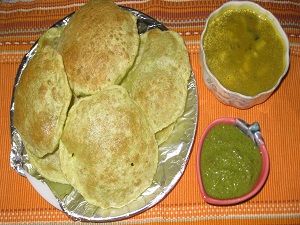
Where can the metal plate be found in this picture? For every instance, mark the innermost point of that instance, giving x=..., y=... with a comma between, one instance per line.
x=174, y=154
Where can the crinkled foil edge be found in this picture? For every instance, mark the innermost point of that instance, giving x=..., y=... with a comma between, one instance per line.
x=174, y=153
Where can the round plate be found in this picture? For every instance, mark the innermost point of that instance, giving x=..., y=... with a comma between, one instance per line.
x=174, y=154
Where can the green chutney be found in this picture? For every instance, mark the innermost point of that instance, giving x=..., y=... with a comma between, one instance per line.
x=230, y=162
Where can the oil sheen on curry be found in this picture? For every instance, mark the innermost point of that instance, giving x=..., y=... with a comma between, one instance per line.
x=230, y=162
x=244, y=51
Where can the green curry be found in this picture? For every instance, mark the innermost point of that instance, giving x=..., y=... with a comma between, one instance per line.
x=244, y=51
x=230, y=162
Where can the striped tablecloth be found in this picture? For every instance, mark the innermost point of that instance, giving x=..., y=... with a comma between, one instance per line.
x=23, y=21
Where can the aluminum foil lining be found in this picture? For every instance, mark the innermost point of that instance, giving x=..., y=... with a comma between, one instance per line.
x=174, y=153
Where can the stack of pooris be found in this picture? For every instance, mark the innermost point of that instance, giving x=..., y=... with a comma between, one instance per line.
x=108, y=150
x=97, y=99
x=159, y=77
x=99, y=46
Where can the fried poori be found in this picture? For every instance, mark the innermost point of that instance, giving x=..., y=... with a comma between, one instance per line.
x=99, y=46
x=42, y=98
x=48, y=166
x=108, y=150
x=51, y=38
x=158, y=80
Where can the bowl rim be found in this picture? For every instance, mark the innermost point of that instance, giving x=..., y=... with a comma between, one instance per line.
x=275, y=23
x=263, y=173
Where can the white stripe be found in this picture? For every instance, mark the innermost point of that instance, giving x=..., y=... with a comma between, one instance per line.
x=187, y=219
x=17, y=43
x=9, y=33
x=272, y=1
x=15, y=1
x=42, y=8
x=14, y=52
x=280, y=2
x=62, y=7
x=293, y=23
x=120, y=3
x=200, y=20
x=132, y=2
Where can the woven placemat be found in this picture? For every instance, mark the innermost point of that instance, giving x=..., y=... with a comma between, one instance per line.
x=22, y=23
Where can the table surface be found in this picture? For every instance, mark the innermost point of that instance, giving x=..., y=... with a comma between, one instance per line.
x=23, y=21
